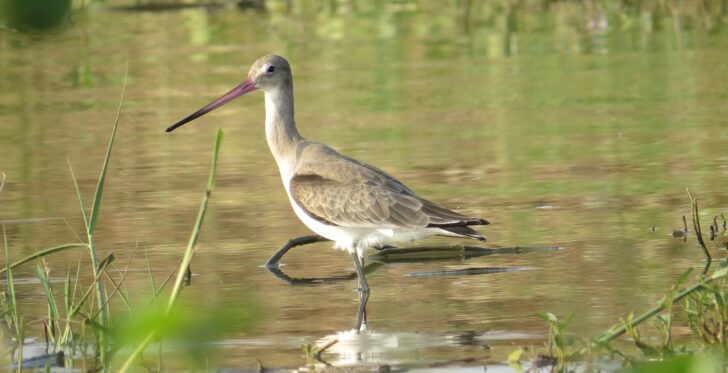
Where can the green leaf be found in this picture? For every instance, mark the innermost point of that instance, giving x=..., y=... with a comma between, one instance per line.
x=43, y=253
x=13, y=305
x=515, y=356
x=681, y=280
x=78, y=195
x=48, y=291
x=567, y=321
x=96, y=207
x=548, y=316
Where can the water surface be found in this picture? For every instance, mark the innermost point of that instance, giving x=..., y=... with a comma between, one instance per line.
x=570, y=127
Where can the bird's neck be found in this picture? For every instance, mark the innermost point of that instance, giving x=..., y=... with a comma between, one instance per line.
x=280, y=128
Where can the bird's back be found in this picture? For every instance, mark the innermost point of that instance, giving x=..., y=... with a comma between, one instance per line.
x=337, y=190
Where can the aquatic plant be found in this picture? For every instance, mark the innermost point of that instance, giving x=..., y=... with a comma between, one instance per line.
x=558, y=342
x=76, y=322
x=705, y=304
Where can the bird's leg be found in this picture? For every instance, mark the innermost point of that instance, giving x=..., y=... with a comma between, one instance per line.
x=293, y=242
x=363, y=286
x=361, y=315
x=363, y=295
x=385, y=247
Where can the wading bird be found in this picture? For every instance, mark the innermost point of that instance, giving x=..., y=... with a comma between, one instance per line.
x=356, y=205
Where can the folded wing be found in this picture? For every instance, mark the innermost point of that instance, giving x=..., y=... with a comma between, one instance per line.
x=349, y=193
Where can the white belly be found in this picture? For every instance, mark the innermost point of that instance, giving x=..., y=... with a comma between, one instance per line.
x=358, y=239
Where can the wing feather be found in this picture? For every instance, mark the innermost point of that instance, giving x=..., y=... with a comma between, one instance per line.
x=337, y=190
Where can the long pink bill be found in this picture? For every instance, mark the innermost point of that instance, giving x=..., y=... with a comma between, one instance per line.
x=246, y=86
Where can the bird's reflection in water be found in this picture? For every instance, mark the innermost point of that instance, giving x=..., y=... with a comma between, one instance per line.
x=401, y=255
x=361, y=345
x=364, y=348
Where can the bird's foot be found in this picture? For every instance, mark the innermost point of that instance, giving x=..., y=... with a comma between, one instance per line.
x=272, y=264
x=384, y=247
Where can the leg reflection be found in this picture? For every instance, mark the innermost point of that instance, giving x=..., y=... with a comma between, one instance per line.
x=389, y=255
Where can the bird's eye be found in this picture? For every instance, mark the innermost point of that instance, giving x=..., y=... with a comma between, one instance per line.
x=271, y=69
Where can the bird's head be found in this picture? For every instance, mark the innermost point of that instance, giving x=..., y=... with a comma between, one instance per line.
x=267, y=74
x=270, y=72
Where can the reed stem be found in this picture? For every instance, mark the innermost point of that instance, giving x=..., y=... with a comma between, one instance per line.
x=186, y=259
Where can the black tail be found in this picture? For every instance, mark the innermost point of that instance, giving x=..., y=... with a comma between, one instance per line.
x=450, y=222
x=461, y=229
x=464, y=232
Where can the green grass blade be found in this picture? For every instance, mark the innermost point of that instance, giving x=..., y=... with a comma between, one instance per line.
x=76, y=281
x=53, y=314
x=117, y=288
x=70, y=297
x=102, y=343
x=70, y=228
x=162, y=287
x=100, y=271
x=198, y=223
x=67, y=300
x=96, y=207
x=78, y=195
x=43, y=253
x=13, y=305
x=620, y=329
x=21, y=345
x=124, y=294
x=151, y=277
x=187, y=256
x=213, y=165
x=6, y=313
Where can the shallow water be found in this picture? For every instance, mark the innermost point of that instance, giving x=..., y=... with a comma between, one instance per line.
x=570, y=127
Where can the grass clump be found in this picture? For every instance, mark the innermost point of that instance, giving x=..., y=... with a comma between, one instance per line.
x=558, y=343
x=79, y=323
x=704, y=306
x=707, y=314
